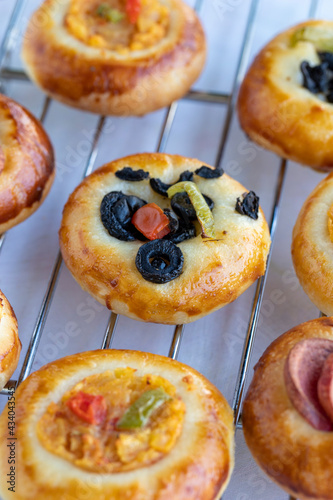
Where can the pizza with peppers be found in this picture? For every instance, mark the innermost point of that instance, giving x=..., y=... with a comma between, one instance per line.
x=118, y=425
x=117, y=57
x=163, y=238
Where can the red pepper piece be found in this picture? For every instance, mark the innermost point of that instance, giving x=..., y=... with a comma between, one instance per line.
x=151, y=221
x=133, y=9
x=90, y=408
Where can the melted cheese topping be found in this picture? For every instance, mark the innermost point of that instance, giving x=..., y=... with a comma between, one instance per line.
x=85, y=23
x=103, y=447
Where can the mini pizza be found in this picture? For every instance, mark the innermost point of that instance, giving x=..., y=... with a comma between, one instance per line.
x=312, y=246
x=163, y=238
x=285, y=100
x=10, y=345
x=288, y=411
x=114, y=57
x=26, y=163
x=118, y=425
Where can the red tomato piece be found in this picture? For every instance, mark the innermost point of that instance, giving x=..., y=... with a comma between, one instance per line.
x=90, y=408
x=133, y=8
x=151, y=221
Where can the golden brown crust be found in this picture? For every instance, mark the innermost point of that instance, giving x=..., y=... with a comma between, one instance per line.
x=289, y=450
x=214, y=273
x=312, y=248
x=104, y=82
x=27, y=166
x=278, y=113
x=197, y=468
x=10, y=345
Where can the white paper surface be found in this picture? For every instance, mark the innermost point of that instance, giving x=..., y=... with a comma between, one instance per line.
x=212, y=345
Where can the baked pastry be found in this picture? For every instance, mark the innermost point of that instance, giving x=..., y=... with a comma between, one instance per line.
x=312, y=246
x=285, y=100
x=10, y=345
x=114, y=57
x=175, y=276
x=285, y=425
x=26, y=163
x=118, y=425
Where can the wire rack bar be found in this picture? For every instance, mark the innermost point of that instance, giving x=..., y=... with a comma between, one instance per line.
x=6, y=44
x=38, y=330
x=110, y=331
x=212, y=97
x=176, y=341
x=14, y=74
x=250, y=336
x=242, y=61
x=192, y=95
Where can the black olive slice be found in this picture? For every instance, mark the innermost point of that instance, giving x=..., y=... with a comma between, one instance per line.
x=158, y=263
x=128, y=174
x=181, y=204
x=173, y=220
x=185, y=176
x=315, y=78
x=326, y=57
x=248, y=204
x=152, y=269
x=159, y=187
x=209, y=173
x=117, y=210
x=185, y=231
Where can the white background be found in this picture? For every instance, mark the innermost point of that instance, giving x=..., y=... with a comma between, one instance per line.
x=213, y=344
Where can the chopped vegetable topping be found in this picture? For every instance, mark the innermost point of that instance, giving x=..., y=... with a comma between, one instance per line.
x=186, y=176
x=151, y=221
x=133, y=9
x=161, y=187
x=173, y=220
x=104, y=448
x=87, y=407
x=183, y=207
x=204, y=214
x=149, y=261
x=319, y=78
x=140, y=411
x=128, y=174
x=109, y=14
x=326, y=57
x=321, y=37
x=248, y=204
x=315, y=78
x=209, y=173
x=185, y=231
x=117, y=210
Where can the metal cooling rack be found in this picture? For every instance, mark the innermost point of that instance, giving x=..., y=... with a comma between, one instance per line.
x=228, y=100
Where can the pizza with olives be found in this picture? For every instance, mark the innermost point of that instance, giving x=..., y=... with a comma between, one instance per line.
x=163, y=238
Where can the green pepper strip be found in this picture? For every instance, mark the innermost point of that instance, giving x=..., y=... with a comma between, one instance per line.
x=138, y=414
x=204, y=214
x=109, y=14
x=320, y=37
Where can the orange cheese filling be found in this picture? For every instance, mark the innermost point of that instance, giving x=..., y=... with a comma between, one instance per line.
x=89, y=21
x=93, y=441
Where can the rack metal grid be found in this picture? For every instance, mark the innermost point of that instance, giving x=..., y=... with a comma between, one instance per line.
x=7, y=73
